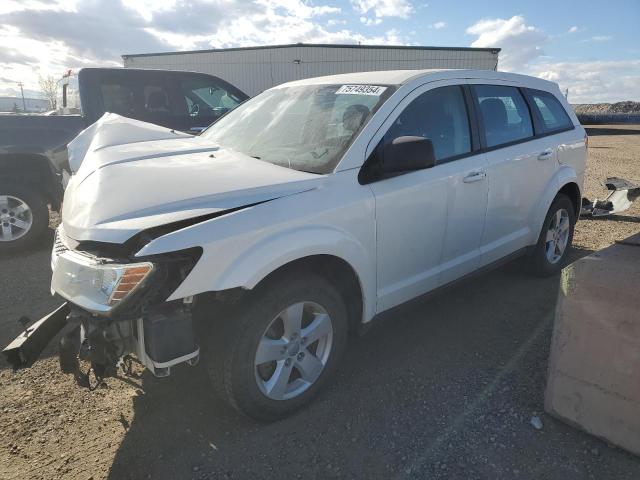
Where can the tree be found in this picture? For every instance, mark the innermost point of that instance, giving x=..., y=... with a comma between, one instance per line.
x=49, y=88
x=15, y=108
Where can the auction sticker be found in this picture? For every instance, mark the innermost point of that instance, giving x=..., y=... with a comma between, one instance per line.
x=360, y=90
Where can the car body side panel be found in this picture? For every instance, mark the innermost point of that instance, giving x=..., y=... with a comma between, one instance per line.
x=243, y=247
x=562, y=177
x=39, y=134
x=411, y=217
x=572, y=150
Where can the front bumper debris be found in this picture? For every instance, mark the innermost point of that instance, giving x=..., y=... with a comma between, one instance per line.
x=160, y=339
x=28, y=346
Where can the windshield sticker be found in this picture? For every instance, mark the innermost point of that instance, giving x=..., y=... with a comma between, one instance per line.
x=360, y=90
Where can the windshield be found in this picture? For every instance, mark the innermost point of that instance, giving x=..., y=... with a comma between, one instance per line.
x=305, y=128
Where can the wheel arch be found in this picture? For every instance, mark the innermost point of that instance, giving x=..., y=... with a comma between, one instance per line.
x=328, y=251
x=564, y=181
x=571, y=190
x=335, y=270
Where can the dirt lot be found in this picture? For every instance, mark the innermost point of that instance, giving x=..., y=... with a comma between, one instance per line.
x=443, y=389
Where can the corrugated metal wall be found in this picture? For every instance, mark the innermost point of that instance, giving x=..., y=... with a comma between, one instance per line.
x=255, y=70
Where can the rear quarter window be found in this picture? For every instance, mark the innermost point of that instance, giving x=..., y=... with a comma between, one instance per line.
x=551, y=113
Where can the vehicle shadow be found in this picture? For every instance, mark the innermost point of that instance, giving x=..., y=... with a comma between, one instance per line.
x=447, y=379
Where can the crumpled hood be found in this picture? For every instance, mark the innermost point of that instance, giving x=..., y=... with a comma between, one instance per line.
x=123, y=188
x=114, y=130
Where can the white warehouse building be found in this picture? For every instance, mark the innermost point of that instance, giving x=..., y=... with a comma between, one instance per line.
x=254, y=69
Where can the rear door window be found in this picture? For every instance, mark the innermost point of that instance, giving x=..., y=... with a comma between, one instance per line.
x=551, y=113
x=504, y=114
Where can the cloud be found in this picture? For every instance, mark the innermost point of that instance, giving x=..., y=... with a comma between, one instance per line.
x=598, y=81
x=573, y=29
x=99, y=29
x=383, y=8
x=370, y=21
x=438, y=25
x=520, y=43
x=47, y=37
x=590, y=81
x=601, y=38
x=12, y=55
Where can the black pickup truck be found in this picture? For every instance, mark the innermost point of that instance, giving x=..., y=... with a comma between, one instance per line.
x=33, y=148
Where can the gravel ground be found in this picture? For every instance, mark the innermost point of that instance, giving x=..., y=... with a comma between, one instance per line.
x=443, y=389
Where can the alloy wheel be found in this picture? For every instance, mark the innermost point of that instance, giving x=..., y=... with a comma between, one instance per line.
x=557, y=236
x=16, y=218
x=293, y=350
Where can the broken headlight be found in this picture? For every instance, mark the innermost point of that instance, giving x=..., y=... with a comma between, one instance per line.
x=95, y=286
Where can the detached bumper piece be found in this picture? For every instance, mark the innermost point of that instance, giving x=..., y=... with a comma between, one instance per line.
x=28, y=346
x=623, y=194
x=161, y=339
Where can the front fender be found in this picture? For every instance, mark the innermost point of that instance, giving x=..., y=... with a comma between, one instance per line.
x=562, y=177
x=242, y=247
x=248, y=260
x=272, y=253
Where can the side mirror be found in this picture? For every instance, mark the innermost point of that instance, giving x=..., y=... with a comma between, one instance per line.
x=404, y=154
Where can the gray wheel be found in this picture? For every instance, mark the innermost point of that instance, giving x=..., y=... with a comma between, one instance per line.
x=16, y=218
x=24, y=216
x=293, y=350
x=279, y=347
x=555, y=238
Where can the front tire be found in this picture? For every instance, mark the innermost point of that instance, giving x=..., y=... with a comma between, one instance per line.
x=281, y=346
x=24, y=217
x=554, y=242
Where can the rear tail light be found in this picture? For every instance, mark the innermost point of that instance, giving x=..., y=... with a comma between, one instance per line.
x=586, y=140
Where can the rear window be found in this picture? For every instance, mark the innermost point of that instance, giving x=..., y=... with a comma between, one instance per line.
x=504, y=113
x=551, y=112
x=175, y=100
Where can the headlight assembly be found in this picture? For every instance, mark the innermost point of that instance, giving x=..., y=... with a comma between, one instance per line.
x=94, y=286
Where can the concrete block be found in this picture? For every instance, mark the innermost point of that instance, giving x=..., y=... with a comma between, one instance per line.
x=594, y=367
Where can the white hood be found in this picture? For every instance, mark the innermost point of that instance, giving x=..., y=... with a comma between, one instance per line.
x=112, y=129
x=123, y=187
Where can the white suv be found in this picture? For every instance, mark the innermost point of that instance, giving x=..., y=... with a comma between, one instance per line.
x=303, y=214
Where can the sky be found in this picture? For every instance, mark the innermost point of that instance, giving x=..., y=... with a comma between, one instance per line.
x=591, y=48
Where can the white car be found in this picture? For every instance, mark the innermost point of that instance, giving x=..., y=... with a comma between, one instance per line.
x=306, y=212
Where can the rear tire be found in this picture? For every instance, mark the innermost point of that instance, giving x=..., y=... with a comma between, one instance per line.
x=268, y=383
x=24, y=217
x=554, y=242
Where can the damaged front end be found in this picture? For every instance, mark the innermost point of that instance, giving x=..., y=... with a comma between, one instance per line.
x=159, y=339
x=116, y=311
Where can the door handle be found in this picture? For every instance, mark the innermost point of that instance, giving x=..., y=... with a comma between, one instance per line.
x=545, y=155
x=474, y=177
